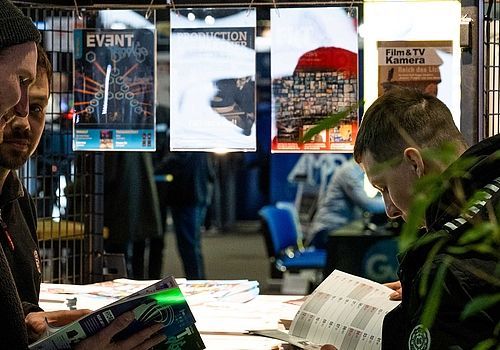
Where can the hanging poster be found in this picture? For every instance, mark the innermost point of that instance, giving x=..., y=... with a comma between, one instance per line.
x=398, y=36
x=114, y=90
x=314, y=71
x=212, y=79
x=416, y=64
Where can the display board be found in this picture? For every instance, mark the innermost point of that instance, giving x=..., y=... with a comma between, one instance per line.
x=114, y=90
x=314, y=72
x=212, y=79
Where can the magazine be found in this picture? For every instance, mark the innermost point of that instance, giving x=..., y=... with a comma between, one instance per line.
x=160, y=302
x=345, y=310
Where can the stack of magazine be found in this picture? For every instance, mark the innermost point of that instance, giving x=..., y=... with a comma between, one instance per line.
x=161, y=302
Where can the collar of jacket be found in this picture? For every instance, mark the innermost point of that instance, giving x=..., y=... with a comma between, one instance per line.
x=12, y=189
x=484, y=167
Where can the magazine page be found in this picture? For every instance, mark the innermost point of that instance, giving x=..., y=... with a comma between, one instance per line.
x=167, y=306
x=346, y=311
x=208, y=291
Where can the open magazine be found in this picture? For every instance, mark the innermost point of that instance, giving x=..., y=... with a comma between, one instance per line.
x=161, y=302
x=345, y=310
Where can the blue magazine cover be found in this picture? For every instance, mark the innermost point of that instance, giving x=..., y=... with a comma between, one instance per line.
x=162, y=302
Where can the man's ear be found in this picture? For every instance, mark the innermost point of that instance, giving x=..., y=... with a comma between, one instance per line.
x=414, y=158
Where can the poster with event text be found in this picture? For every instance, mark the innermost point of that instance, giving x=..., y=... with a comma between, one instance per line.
x=114, y=90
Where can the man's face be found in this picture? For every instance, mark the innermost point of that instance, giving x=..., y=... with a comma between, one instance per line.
x=18, y=71
x=21, y=134
x=394, y=182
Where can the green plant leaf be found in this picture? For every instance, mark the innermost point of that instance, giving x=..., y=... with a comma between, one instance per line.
x=329, y=122
x=433, y=299
x=486, y=344
x=476, y=233
x=480, y=303
x=428, y=265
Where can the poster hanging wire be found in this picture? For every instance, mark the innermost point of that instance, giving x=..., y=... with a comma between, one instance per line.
x=77, y=11
x=349, y=11
x=148, y=11
x=276, y=8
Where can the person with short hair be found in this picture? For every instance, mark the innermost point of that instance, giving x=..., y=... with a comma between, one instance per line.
x=18, y=38
x=24, y=96
x=406, y=135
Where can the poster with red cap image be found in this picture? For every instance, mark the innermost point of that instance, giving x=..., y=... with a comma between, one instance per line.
x=314, y=71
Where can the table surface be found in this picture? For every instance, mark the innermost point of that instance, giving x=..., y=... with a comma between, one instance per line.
x=222, y=325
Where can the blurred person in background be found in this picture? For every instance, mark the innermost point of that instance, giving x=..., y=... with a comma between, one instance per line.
x=185, y=185
x=345, y=200
x=131, y=208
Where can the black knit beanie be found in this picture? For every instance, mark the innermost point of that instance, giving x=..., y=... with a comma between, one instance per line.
x=15, y=27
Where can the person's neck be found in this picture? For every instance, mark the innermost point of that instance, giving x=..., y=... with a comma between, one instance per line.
x=434, y=166
x=3, y=176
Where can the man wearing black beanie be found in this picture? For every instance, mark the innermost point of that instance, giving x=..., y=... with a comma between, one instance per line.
x=18, y=38
x=18, y=70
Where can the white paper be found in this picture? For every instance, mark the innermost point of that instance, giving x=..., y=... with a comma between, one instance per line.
x=346, y=311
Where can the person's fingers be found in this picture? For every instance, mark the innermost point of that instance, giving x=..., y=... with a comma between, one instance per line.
x=149, y=343
x=35, y=322
x=118, y=324
x=136, y=340
x=63, y=317
x=393, y=285
x=397, y=295
x=328, y=347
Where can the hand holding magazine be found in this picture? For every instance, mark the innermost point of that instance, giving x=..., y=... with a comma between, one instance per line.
x=161, y=302
x=345, y=310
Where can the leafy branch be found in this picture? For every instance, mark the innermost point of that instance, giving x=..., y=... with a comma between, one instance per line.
x=331, y=121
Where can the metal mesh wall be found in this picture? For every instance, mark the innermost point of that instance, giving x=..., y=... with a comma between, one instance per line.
x=68, y=187
x=64, y=184
x=491, y=69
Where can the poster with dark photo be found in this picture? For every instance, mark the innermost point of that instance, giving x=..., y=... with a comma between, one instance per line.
x=314, y=71
x=114, y=90
x=212, y=79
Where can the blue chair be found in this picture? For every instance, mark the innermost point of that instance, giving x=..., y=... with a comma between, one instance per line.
x=282, y=242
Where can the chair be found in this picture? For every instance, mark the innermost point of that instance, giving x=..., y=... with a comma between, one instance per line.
x=114, y=266
x=282, y=242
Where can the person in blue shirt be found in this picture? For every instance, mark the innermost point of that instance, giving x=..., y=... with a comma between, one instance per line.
x=344, y=201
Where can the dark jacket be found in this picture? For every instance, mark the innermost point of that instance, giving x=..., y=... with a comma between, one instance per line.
x=12, y=328
x=19, y=263
x=17, y=211
x=132, y=211
x=446, y=222
x=184, y=179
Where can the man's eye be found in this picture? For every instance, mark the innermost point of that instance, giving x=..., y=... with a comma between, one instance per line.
x=24, y=81
x=36, y=110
